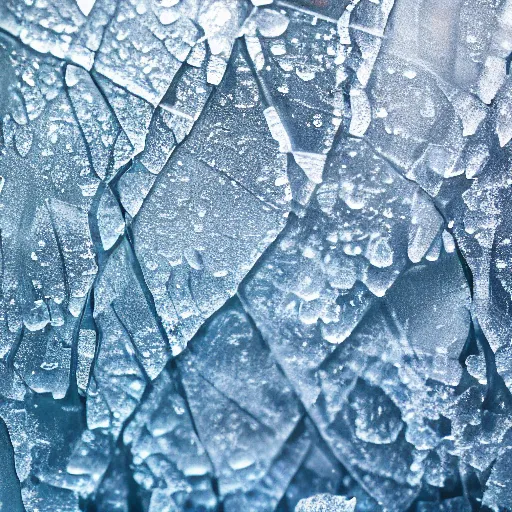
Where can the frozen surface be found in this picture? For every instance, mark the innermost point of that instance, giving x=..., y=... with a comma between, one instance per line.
x=255, y=255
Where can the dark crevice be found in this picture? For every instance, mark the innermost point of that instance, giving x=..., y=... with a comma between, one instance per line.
x=10, y=488
x=72, y=393
x=508, y=61
x=11, y=355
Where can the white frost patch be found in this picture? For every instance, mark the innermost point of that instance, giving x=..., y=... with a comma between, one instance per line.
x=85, y=6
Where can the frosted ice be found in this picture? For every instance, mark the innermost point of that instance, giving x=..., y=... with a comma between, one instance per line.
x=326, y=503
x=255, y=255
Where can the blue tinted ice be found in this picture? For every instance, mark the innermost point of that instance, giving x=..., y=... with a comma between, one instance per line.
x=255, y=255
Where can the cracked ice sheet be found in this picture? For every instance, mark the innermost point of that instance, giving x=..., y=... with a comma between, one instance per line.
x=451, y=161
x=213, y=209
x=146, y=42
x=362, y=300
x=47, y=253
x=259, y=420
x=342, y=275
x=295, y=57
x=198, y=420
x=170, y=124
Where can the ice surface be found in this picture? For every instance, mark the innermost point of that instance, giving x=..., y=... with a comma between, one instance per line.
x=326, y=503
x=255, y=255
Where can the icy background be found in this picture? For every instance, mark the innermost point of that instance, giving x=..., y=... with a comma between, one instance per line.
x=255, y=255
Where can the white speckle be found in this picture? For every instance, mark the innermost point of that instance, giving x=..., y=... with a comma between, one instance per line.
x=167, y=17
x=136, y=385
x=381, y=112
x=305, y=76
x=280, y=181
x=85, y=6
x=308, y=252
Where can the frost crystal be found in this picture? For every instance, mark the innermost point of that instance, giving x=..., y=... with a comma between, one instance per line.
x=255, y=255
